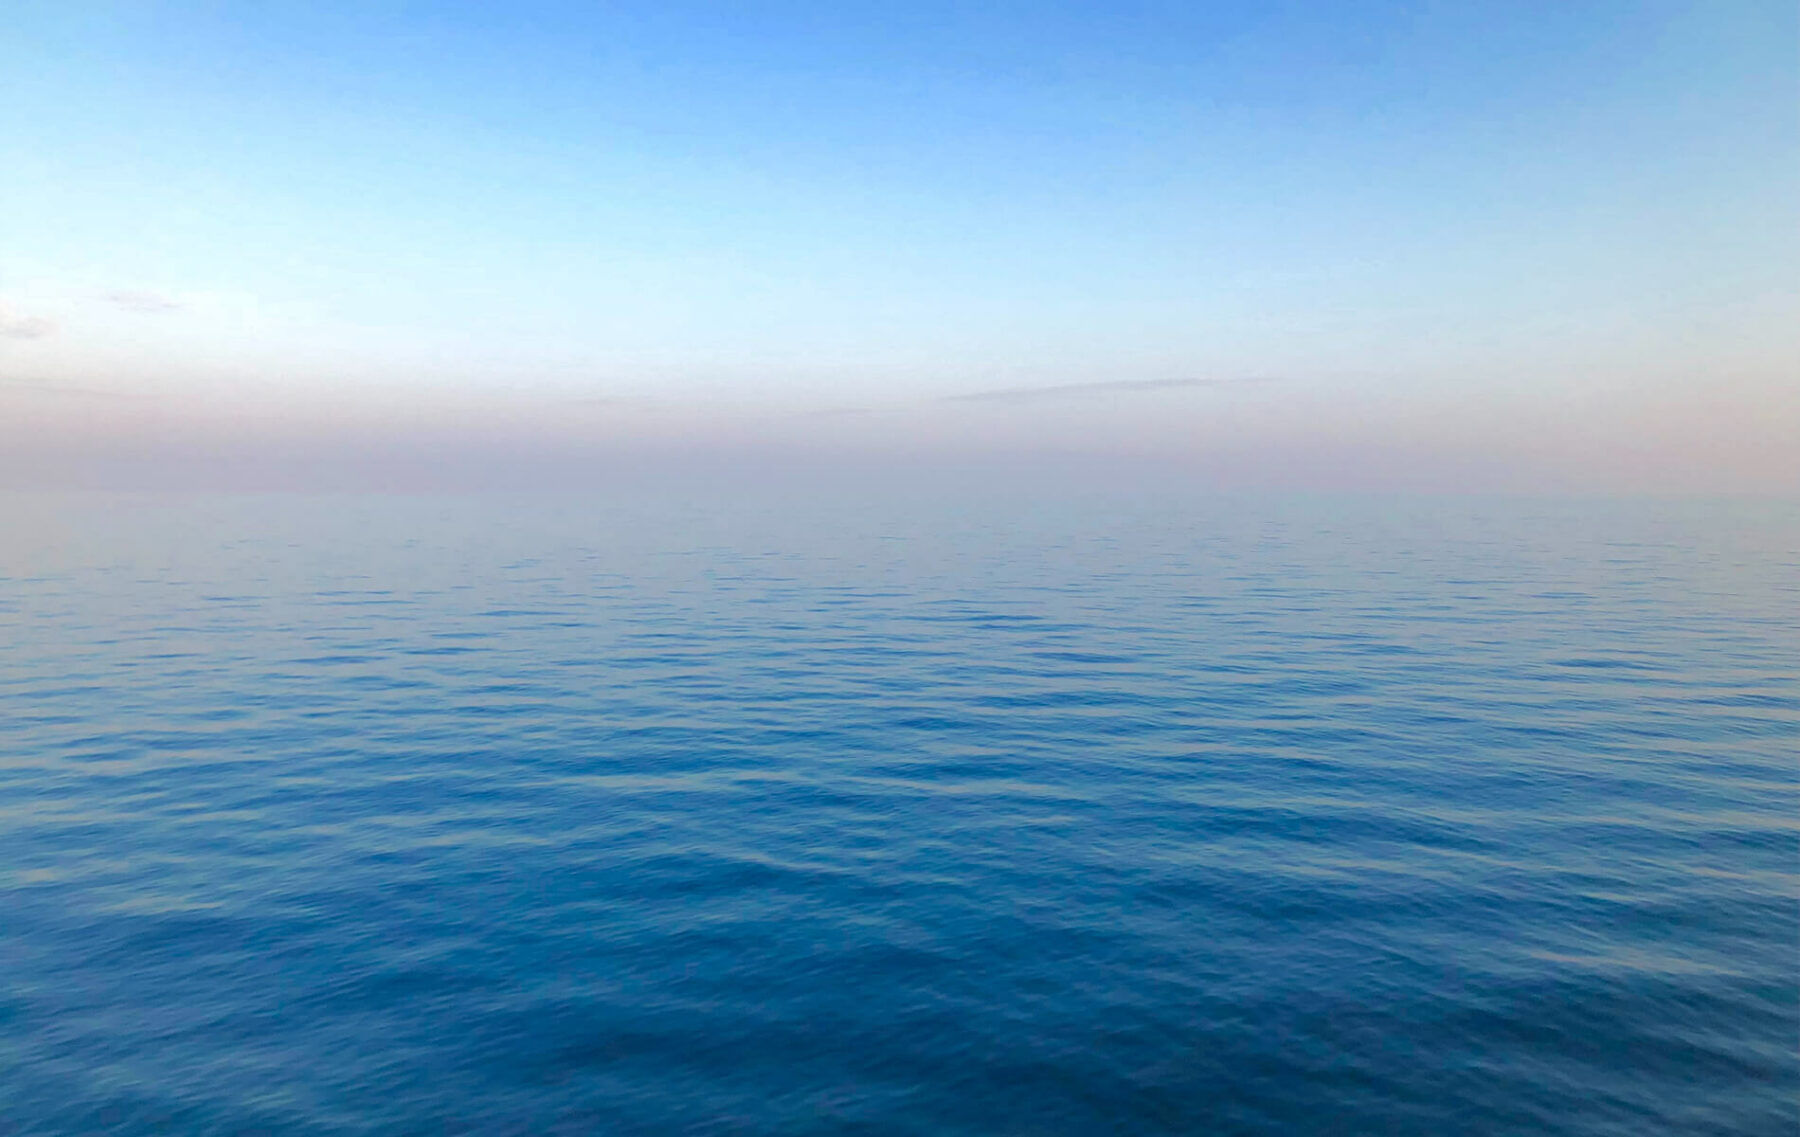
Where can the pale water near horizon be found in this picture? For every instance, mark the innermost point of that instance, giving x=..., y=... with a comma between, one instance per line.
x=1024, y=814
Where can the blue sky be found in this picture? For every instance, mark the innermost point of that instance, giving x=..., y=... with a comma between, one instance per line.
x=793, y=209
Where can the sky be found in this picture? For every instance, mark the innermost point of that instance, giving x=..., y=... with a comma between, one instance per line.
x=1482, y=245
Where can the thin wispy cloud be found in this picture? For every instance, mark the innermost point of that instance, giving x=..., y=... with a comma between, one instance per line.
x=145, y=303
x=18, y=326
x=838, y=412
x=1076, y=390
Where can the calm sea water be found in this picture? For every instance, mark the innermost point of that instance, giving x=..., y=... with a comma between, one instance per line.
x=1036, y=814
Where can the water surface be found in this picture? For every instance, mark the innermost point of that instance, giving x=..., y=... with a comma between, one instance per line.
x=1032, y=814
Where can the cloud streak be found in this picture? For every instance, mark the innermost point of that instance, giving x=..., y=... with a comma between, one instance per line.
x=16, y=326
x=1077, y=390
x=144, y=303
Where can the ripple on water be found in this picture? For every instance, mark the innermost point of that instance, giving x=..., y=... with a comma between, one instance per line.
x=1258, y=817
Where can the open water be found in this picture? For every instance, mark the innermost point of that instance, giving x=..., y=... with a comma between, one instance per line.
x=812, y=815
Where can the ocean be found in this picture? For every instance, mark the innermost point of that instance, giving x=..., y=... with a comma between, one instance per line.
x=963, y=811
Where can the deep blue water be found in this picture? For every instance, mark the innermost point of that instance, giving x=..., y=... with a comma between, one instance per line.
x=1034, y=815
